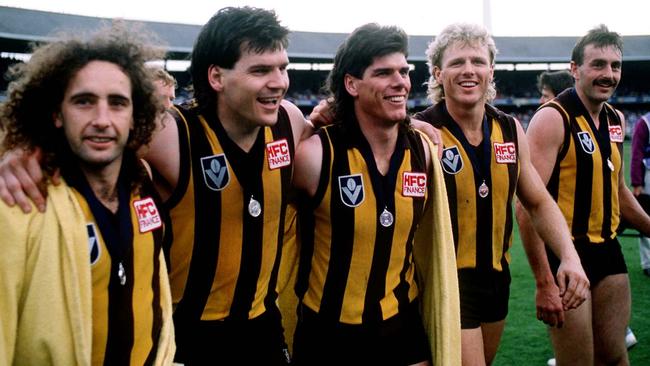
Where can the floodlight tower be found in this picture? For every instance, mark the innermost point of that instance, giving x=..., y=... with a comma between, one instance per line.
x=487, y=15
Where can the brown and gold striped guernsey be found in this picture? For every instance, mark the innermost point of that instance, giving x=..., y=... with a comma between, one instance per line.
x=226, y=213
x=584, y=181
x=127, y=310
x=482, y=226
x=353, y=269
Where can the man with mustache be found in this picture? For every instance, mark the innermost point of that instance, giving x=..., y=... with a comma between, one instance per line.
x=576, y=143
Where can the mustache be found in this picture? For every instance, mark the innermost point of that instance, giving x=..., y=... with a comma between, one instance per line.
x=606, y=82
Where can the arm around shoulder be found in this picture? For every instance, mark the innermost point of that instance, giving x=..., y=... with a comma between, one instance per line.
x=300, y=126
x=308, y=165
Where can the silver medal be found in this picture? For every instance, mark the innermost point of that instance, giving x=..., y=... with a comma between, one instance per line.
x=610, y=164
x=483, y=190
x=254, y=207
x=386, y=218
x=121, y=273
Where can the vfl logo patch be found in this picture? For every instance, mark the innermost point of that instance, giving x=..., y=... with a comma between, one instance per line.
x=215, y=172
x=148, y=215
x=616, y=133
x=351, y=190
x=587, y=143
x=93, y=243
x=414, y=184
x=505, y=153
x=452, y=162
x=277, y=154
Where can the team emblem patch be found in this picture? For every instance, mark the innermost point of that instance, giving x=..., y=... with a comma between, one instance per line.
x=215, y=172
x=351, y=189
x=586, y=142
x=148, y=215
x=505, y=153
x=414, y=184
x=452, y=162
x=277, y=154
x=616, y=133
x=93, y=243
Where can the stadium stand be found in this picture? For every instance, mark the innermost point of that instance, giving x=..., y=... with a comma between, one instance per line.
x=516, y=82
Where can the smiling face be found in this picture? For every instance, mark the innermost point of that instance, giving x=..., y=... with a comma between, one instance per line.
x=97, y=115
x=599, y=74
x=383, y=89
x=465, y=73
x=250, y=93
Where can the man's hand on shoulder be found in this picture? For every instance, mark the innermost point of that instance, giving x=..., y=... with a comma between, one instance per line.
x=432, y=133
x=21, y=179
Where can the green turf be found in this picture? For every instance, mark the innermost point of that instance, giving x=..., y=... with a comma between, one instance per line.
x=525, y=340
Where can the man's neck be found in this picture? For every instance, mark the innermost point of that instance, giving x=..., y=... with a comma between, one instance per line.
x=470, y=120
x=103, y=182
x=382, y=137
x=592, y=107
x=241, y=133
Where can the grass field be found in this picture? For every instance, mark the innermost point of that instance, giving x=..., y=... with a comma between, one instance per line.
x=525, y=340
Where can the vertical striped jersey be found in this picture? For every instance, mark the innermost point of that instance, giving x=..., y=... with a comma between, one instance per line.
x=227, y=216
x=126, y=269
x=584, y=181
x=356, y=252
x=481, y=182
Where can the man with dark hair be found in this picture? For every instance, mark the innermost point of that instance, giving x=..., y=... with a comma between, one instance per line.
x=368, y=179
x=224, y=167
x=576, y=143
x=85, y=281
x=552, y=83
x=486, y=161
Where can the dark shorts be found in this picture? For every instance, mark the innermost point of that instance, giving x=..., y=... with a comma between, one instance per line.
x=598, y=260
x=400, y=340
x=258, y=341
x=483, y=297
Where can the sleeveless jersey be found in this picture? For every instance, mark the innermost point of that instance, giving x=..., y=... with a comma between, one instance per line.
x=127, y=310
x=226, y=213
x=356, y=253
x=584, y=181
x=482, y=226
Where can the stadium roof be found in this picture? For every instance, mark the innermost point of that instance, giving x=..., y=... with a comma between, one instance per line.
x=20, y=27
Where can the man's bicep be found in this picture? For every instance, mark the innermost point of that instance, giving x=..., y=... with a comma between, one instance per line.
x=545, y=136
x=308, y=165
x=163, y=152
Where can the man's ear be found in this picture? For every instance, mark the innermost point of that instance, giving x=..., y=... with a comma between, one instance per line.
x=574, y=70
x=58, y=119
x=436, y=74
x=351, y=84
x=215, y=76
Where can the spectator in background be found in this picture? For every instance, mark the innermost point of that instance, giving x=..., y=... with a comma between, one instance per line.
x=640, y=174
x=552, y=83
x=165, y=86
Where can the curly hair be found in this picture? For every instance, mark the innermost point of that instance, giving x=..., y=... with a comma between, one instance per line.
x=354, y=56
x=222, y=40
x=465, y=34
x=36, y=92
